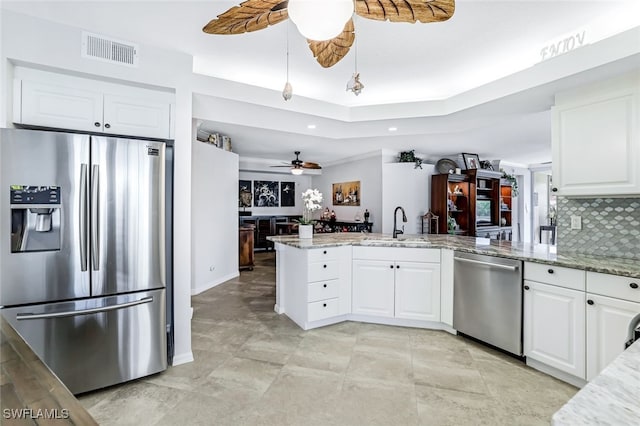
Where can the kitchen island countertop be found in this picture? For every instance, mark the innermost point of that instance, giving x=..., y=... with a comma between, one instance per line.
x=30, y=392
x=612, y=398
x=540, y=253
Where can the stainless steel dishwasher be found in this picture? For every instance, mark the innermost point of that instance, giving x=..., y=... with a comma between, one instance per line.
x=487, y=300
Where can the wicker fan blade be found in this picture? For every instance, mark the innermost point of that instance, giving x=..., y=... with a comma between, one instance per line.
x=251, y=15
x=406, y=10
x=310, y=165
x=330, y=52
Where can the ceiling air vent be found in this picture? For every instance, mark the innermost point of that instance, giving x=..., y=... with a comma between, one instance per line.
x=107, y=49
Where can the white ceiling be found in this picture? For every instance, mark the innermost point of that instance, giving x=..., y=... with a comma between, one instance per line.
x=483, y=42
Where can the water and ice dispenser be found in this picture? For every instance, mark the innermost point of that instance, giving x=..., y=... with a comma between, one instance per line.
x=35, y=218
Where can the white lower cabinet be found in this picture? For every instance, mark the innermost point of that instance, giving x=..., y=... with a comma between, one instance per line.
x=554, y=327
x=607, y=325
x=417, y=291
x=395, y=288
x=373, y=288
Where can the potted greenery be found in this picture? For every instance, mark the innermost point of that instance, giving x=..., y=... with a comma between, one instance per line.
x=410, y=157
x=513, y=181
x=311, y=199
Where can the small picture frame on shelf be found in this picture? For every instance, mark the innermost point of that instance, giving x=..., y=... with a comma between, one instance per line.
x=471, y=161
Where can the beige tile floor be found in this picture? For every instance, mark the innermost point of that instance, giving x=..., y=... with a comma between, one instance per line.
x=254, y=367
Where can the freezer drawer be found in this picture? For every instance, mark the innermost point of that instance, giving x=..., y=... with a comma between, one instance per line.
x=97, y=342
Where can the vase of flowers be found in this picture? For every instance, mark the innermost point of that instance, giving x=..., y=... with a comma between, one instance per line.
x=311, y=199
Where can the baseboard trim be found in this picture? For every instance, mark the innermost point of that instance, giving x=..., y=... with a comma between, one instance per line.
x=183, y=358
x=207, y=286
x=554, y=372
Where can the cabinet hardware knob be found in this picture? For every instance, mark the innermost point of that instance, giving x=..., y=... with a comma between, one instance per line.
x=324, y=266
x=550, y=271
x=526, y=287
x=590, y=302
x=397, y=266
x=97, y=124
x=324, y=305
x=107, y=126
x=554, y=189
x=633, y=285
x=391, y=266
x=324, y=252
x=324, y=285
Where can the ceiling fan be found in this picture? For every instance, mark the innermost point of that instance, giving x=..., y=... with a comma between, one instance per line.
x=297, y=165
x=254, y=15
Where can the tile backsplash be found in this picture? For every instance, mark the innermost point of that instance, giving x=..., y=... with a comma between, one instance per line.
x=610, y=226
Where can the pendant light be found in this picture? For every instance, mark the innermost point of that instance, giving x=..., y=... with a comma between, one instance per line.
x=287, y=92
x=354, y=84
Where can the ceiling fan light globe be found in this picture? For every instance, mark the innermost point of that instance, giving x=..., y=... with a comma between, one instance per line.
x=320, y=19
x=296, y=171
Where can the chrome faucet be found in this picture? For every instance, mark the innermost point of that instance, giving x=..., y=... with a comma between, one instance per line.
x=397, y=231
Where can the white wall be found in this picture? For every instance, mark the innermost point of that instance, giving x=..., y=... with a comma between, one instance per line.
x=42, y=44
x=368, y=170
x=302, y=183
x=214, y=219
x=404, y=185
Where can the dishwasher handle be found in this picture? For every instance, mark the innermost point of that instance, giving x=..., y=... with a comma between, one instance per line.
x=492, y=265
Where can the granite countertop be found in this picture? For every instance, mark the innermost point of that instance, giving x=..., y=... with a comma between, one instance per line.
x=540, y=253
x=612, y=398
x=29, y=392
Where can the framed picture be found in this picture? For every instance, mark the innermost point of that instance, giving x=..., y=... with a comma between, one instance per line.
x=471, y=161
x=346, y=193
x=287, y=194
x=265, y=193
x=244, y=193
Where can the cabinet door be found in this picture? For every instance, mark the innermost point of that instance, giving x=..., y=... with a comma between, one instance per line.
x=607, y=326
x=417, y=291
x=554, y=327
x=137, y=116
x=597, y=126
x=373, y=289
x=61, y=107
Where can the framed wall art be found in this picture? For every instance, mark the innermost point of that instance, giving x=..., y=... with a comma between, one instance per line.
x=244, y=193
x=287, y=194
x=265, y=193
x=346, y=193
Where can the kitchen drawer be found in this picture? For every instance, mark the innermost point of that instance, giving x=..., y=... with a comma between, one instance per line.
x=555, y=275
x=323, y=309
x=322, y=254
x=323, y=290
x=321, y=271
x=401, y=254
x=614, y=286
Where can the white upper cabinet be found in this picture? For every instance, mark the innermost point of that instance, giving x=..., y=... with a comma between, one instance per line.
x=595, y=140
x=136, y=116
x=50, y=105
x=59, y=101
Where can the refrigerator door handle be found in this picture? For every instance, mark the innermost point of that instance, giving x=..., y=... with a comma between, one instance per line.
x=83, y=217
x=95, y=218
x=21, y=317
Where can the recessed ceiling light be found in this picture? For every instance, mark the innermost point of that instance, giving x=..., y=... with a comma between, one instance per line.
x=393, y=129
x=311, y=126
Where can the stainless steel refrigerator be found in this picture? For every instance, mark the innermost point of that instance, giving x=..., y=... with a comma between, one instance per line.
x=85, y=252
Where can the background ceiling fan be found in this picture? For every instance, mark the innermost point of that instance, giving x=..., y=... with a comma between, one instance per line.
x=254, y=15
x=297, y=165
